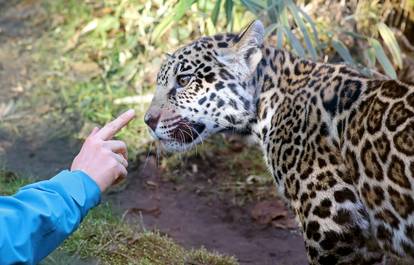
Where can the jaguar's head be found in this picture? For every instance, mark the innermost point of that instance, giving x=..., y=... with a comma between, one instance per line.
x=205, y=87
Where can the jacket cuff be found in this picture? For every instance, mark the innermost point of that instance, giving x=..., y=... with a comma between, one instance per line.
x=82, y=188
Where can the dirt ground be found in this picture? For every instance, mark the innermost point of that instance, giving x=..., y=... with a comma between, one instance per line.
x=190, y=217
x=196, y=219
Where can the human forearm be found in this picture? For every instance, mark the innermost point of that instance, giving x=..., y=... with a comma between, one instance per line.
x=41, y=215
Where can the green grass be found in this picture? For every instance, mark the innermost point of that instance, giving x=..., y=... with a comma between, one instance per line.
x=10, y=182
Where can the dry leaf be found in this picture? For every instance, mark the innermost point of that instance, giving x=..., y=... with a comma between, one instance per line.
x=266, y=211
x=155, y=211
x=194, y=168
x=6, y=108
x=151, y=184
x=274, y=213
x=104, y=11
x=72, y=42
x=285, y=223
x=86, y=70
x=91, y=26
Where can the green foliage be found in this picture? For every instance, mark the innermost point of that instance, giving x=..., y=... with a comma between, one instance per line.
x=343, y=51
x=10, y=182
x=202, y=16
x=216, y=11
x=382, y=58
x=390, y=41
x=296, y=30
x=176, y=14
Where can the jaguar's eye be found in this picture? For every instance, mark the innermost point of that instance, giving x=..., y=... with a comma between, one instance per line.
x=183, y=80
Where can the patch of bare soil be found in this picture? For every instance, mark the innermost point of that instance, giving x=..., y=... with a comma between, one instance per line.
x=19, y=27
x=195, y=218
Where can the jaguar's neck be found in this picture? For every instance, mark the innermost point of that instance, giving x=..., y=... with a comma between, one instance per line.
x=311, y=95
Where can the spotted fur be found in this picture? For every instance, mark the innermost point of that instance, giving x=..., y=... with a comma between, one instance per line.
x=339, y=145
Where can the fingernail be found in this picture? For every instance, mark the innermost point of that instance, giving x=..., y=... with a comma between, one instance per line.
x=130, y=112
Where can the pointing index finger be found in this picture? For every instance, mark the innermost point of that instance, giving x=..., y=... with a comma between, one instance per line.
x=110, y=129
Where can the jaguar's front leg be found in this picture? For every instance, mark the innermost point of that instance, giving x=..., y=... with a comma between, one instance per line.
x=335, y=226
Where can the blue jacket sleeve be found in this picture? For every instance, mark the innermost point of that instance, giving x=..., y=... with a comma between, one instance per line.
x=35, y=220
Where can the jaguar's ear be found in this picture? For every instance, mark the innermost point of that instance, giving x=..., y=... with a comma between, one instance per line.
x=168, y=56
x=251, y=37
x=246, y=48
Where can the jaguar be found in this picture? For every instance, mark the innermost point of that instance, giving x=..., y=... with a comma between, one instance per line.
x=339, y=144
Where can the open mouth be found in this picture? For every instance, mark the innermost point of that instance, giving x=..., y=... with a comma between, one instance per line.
x=187, y=132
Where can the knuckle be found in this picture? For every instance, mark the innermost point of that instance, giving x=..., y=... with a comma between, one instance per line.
x=90, y=139
x=95, y=142
x=113, y=163
x=112, y=126
x=107, y=153
x=109, y=149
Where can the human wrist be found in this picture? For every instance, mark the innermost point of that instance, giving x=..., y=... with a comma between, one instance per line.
x=81, y=187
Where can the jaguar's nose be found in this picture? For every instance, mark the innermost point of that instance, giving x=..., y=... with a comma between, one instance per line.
x=152, y=120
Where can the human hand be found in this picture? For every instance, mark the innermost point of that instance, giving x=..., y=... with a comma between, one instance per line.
x=103, y=159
